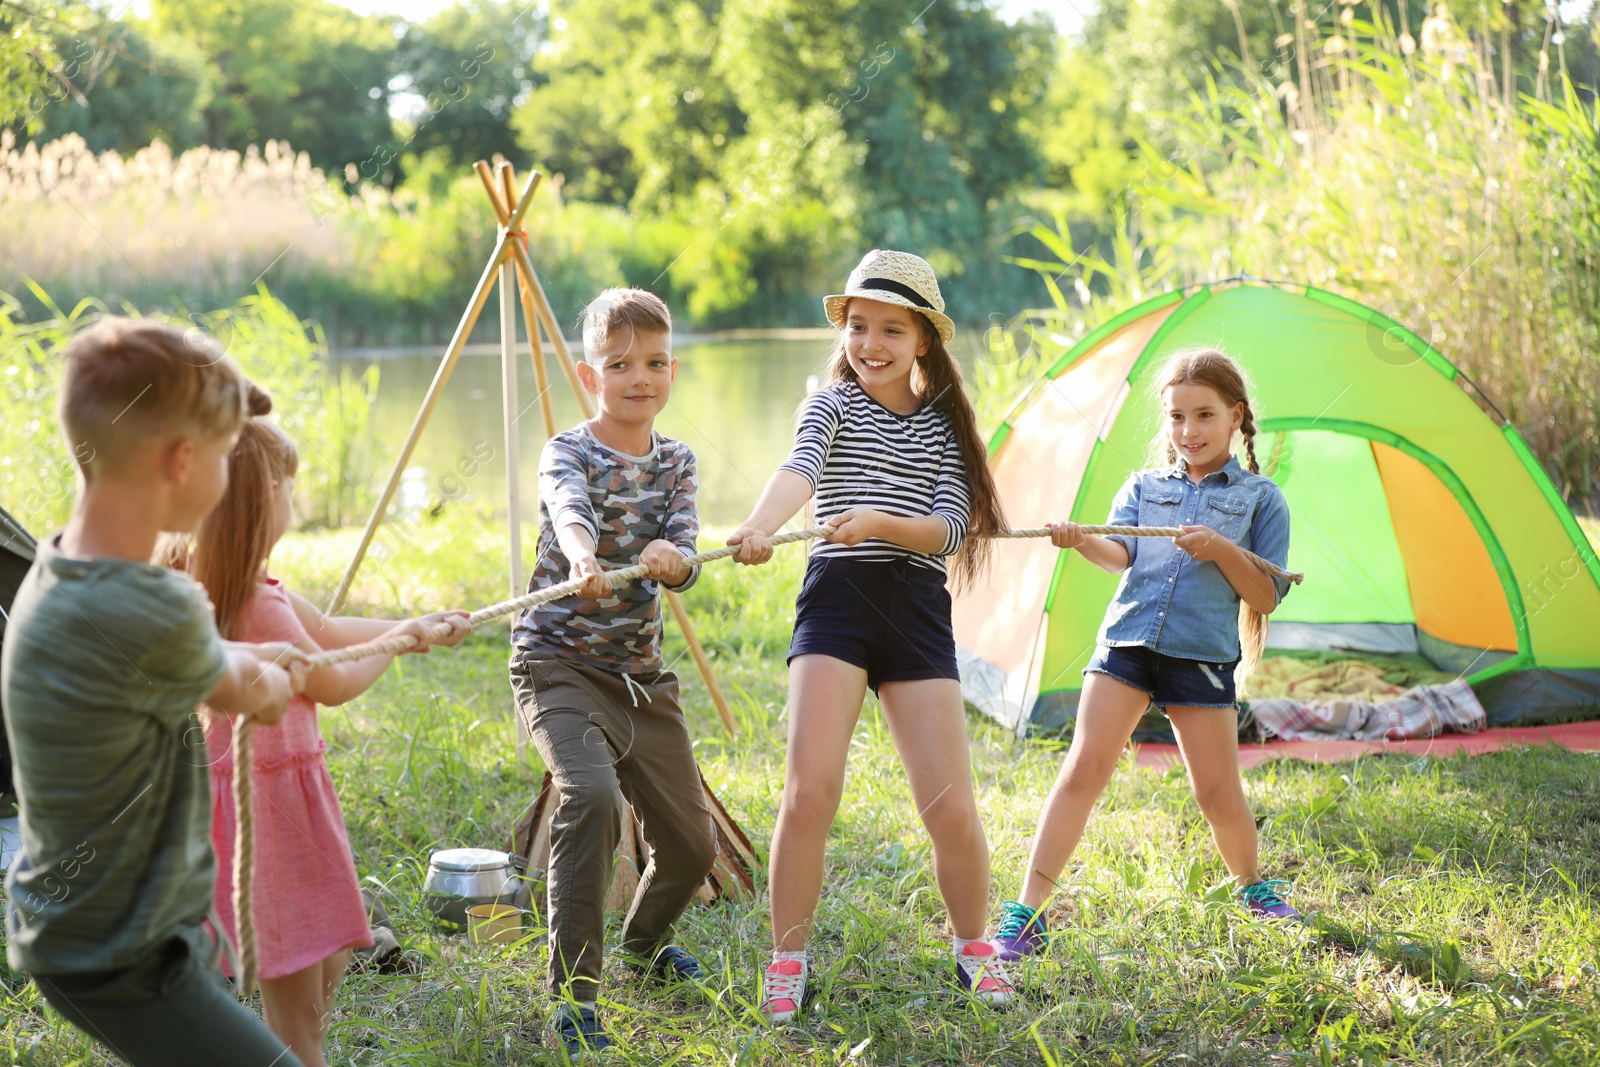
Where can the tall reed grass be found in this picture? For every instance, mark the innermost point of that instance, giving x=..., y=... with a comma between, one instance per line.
x=386, y=267
x=1410, y=178
x=326, y=411
x=202, y=228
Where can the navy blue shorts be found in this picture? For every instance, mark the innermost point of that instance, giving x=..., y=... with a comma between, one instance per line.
x=1170, y=681
x=891, y=618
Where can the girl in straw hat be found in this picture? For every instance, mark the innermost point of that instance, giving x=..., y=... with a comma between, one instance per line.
x=890, y=452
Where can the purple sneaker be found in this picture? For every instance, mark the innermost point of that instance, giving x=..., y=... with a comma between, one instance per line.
x=1022, y=931
x=1265, y=900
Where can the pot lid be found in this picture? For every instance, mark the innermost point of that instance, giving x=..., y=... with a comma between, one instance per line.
x=469, y=859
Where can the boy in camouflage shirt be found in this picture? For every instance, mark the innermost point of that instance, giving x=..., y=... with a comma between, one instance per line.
x=588, y=673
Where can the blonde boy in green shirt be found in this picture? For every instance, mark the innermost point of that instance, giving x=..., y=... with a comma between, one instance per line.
x=105, y=658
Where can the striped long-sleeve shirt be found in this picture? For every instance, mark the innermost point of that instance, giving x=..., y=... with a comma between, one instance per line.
x=856, y=453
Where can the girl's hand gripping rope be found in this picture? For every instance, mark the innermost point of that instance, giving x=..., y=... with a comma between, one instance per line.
x=440, y=628
x=754, y=546
x=854, y=526
x=1066, y=534
x=1203, y=543
x=278, y=653
x=282, y=672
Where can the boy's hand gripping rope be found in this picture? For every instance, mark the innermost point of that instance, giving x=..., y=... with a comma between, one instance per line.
x=244, y=844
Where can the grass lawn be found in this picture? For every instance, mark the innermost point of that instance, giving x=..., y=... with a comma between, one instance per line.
x=1457, y=898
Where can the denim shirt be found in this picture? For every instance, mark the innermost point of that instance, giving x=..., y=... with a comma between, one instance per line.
x=1167, y=600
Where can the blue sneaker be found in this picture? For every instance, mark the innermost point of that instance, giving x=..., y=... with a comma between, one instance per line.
x=1022, y=931
x=673, y=964
x=577, y=1032
x=1265, y=900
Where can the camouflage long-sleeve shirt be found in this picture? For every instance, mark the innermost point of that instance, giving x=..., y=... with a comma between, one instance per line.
x=625, y=502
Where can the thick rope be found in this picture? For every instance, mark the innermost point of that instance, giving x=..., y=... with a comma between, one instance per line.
x=402, y=642
x=1158, y=531
x=244, y=860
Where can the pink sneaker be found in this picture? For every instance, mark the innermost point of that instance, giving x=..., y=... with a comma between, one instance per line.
x=981, y=973
x=783, y=991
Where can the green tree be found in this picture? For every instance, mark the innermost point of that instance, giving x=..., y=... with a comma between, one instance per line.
x=140, y=89
x=306, y=71
x=570, y=126
x=1084, y=132
x=931, y=104
x=634, y=108
x=468, y=67
x=38, y=72
x=1137, y=61
x=789, y=131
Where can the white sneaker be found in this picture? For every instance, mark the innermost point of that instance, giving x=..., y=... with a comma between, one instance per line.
x=783, y=991
x=981, y=973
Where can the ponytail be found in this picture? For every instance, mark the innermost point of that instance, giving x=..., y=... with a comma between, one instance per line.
x=234, y=539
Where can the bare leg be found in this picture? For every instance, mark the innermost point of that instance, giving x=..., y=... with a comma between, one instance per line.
x=1209, y=741
x=929, y=726
x=825, y=696
x=296, y=1010
x=333, y=969
x=1107, y=715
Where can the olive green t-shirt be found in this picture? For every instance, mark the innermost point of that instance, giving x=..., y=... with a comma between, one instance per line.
x=104, y=662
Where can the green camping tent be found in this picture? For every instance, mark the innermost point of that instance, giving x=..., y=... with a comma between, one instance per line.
x=1421, y=524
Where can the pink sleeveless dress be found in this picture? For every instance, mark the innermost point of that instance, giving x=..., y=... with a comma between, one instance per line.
x=307, y=898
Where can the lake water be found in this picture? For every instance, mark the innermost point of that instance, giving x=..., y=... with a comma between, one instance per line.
x=733, y=403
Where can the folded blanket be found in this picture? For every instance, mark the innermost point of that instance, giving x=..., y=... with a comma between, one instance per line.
x=1425, y=711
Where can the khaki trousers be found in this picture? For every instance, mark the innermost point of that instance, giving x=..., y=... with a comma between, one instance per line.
x=603, y=734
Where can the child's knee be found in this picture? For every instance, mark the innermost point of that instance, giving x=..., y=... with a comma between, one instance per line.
x=810, y=802
x=1089, y=770
x=589, y=804
x=1224, y=796
x=300, y=1021
x=950, y=820
x=685, y=847
x=698, y=850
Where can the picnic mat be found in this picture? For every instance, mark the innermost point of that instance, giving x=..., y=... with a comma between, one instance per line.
x=1578, y=736
x=1425, y=711
x=1328, y=708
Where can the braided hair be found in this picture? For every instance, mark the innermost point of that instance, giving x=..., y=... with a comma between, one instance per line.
x=1215, y=370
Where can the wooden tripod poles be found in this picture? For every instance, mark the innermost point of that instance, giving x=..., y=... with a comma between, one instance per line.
x=511, y=250
x=452, y=353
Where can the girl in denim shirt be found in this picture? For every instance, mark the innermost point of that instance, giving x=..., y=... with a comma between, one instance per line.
x=1187, y=622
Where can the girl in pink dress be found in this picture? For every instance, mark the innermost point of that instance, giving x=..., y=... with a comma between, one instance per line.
x=307, y=898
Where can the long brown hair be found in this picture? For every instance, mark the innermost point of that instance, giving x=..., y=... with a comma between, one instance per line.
x=936, y=380
x=1216, y=371
x=233, y=541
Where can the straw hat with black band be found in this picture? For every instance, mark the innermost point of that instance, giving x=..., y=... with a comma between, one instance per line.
x=894, y=278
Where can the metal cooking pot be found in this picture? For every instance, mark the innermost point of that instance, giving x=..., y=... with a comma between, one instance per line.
x=460, y=877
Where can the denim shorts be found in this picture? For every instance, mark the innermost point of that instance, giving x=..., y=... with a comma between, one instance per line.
x=1170, y=681
x=891, y=618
